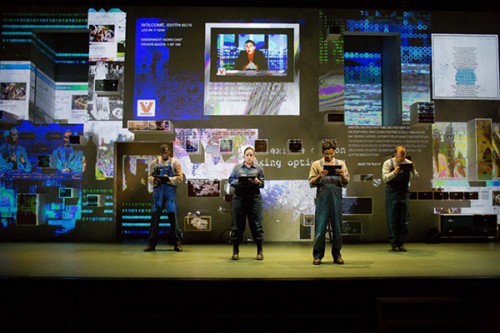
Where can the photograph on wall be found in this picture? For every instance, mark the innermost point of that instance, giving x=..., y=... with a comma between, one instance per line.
x=15, y=92
x=105, y=108
x=204, y=188
x=71, y=102
x=260, y=146
x=107, y=35
x=449, y=146
x=295, y=146
x=484, y=149
x=496, y=198
x=226, y=146
x=106, y=90
x=495, y=141
x=197, y=223
x=159, y=125
x=192, y=145
x=188, y=140
x=138, y=125
x=80, y=102
x=101, y=33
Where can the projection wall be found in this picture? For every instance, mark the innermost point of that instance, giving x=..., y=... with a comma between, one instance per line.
x=368, y=87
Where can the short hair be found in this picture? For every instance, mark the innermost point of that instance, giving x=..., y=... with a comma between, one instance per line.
x=249, y=41
x=248, y=148
x=328, y=144
x=14, y=131
x=164, y=148
x=398, y=148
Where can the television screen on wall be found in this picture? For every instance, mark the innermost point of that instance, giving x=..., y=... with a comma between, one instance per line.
x=273, y=55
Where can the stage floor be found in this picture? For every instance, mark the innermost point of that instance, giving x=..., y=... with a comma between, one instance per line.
x=281, y=261
x=116, y=287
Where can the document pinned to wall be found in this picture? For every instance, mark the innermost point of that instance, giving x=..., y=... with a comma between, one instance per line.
x=465, y=66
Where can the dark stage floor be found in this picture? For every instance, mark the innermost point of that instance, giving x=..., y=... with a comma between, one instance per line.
x=116, y=287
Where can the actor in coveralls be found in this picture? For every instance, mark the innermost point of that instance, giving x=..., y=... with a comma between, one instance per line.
x=328, y=201
x=165, y=173
x=397, y=197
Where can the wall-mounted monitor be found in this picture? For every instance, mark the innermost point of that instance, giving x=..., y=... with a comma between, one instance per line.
x=271, y=59
x=266, y=82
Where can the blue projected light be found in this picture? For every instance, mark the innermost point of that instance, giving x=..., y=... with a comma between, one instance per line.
x=415, y=54
x=363, y=88
x=39, y=168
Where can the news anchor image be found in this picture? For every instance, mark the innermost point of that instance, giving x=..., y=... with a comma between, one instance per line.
x=251, y=58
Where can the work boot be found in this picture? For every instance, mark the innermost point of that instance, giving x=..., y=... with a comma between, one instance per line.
x=149, y=248
x=236, y=252
x=260, y=252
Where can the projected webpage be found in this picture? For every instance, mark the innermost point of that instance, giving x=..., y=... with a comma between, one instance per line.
x=465, y=67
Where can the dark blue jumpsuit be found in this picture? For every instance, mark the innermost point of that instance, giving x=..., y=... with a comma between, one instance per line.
x=397, y=201
x=247, y=202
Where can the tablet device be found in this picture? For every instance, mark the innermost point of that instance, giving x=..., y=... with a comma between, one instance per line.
x=244, y=178
x=332, y=169
x=163, y=179
x=407, y=167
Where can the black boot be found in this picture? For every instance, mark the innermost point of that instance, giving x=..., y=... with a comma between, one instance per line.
x=236, y=252
x=178, y=246
x=260, y=252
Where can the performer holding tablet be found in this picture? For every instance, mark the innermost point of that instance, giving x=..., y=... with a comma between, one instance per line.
x=329, y=175
x=396, y=174
x=165, y=173
x=247, y=179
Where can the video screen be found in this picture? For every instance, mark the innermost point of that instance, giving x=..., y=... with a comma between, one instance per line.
x=255, y=55
x=252, y=69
